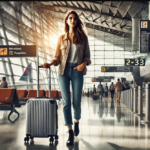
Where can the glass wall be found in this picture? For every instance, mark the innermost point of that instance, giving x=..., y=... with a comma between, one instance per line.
x=106, y=50
x=24, y=25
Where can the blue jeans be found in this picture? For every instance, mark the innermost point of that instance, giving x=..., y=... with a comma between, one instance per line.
x=76, y=78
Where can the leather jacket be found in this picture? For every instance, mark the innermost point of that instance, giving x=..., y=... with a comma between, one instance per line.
x=62, y=51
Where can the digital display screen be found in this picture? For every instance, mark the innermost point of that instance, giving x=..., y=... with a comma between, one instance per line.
x=135, y=62
x=116, y=69
x=18, y=51
x=144, y=36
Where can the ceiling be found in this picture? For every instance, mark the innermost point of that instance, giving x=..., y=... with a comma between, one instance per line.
x=114, y=17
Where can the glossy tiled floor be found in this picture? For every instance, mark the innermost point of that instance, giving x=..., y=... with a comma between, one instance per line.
x=105, y=125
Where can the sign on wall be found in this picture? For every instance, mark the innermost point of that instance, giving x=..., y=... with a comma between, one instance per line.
x=116, y=69
x=144, y=36
x=100, y=80
x=18, y=51
x=135, y=62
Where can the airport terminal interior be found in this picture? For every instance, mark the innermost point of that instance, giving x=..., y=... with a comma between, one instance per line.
x=119, y=41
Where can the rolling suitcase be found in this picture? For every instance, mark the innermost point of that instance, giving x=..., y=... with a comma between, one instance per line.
x=41, y=116
x=95, y=96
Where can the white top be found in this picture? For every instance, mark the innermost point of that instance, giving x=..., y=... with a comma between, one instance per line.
x=72, y=56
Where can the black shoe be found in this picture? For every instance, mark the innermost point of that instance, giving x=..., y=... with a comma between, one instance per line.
x=76, y=128
x=70, y=140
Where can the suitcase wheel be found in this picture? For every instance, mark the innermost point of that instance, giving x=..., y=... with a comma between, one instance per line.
x=51, y=139
x=26, y=139
x=56, y=137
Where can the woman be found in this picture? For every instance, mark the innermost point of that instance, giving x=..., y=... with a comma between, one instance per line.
x=73, y=55
x=112, y=90
x=106, y=90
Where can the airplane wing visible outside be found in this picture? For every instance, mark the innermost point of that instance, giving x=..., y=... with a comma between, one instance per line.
x=27, y=74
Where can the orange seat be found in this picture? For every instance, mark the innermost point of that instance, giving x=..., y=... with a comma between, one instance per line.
x=21, y=94
x=8, y=101
x=33, y=94
x=6, y=95
x=59, y=92
x=53, y=93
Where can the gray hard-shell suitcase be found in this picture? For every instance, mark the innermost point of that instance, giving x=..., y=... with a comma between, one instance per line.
x=41, y=116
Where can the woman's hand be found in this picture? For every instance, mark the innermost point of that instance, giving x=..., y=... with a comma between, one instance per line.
x=45, y=65
x=79, y=67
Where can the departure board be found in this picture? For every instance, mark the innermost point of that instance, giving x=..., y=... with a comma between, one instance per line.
x=144, y=36
x=135, y=62
x=116, y=69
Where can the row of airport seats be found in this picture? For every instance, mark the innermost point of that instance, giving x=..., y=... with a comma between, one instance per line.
x=25, y=95
x=10, y=99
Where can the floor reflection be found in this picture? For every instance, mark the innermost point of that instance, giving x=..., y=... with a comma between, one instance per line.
x=105, y=124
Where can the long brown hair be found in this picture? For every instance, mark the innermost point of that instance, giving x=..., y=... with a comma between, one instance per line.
x=80, y=33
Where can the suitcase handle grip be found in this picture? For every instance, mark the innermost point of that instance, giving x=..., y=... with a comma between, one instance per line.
x=49, y=80
x=43, y=67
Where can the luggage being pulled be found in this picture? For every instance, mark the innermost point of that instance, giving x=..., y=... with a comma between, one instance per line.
x=41, y=117
x=95, y=96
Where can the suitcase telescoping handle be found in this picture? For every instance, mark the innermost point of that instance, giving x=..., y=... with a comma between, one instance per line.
x=49, y=81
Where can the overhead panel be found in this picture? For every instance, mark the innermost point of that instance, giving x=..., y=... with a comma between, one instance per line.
x=118, y=26
x=110, y=24
x=79, y=11
x=44, y=3
x=124, y=7
x=75, y=3
x=104, y=17
x=59, y=3
x=118, y=14
x=99, y=6
x=107, y=3
x=93, y=6
x=115, y=21
x=54, y=2
x=95, y=15
x=134, y=9
x=81, y=4
x=98, y=21
x=70, y=9
x=62, y=9
x=70, y=3
x=56, y=8
x=49, y=3
x=105, y=25
x=63, y=2
x=128, y=16
x=124, y=22
x=114, y=10
x=87, y=13
x=115, y=3
x=99, y=2
x=105, y=9
x=87, y=4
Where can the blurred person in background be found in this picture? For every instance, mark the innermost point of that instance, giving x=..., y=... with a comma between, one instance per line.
x=118, y=88
x=106, y=91
x=100, y=89
x=112, y=90
x=4, y=83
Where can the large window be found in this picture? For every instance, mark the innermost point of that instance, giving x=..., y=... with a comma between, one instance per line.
x=30, y=27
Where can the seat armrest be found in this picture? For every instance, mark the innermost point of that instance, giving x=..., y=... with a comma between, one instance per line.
x=8, y=98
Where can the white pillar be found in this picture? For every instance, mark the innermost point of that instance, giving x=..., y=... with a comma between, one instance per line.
x=136, y=34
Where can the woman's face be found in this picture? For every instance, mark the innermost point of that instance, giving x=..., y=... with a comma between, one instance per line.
x=72, y=20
